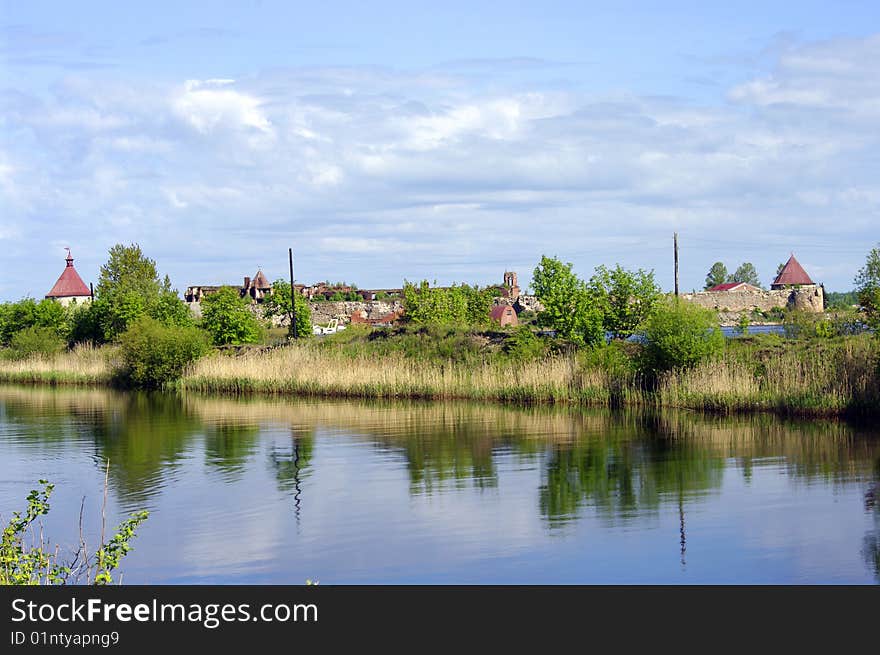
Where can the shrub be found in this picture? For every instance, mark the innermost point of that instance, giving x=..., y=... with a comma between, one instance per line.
x=38, y=563
x=523, y=344
x=680, y=334
x=228, y=319
x=155, y=355
x=35, y=342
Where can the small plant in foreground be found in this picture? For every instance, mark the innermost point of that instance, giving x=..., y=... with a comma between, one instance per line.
x=38, y=563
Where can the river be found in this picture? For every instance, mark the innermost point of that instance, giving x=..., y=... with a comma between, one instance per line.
x=280, y=491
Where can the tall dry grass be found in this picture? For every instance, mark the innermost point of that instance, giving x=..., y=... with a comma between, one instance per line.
x=815, y=379
x=305, y=370
x=84, y=364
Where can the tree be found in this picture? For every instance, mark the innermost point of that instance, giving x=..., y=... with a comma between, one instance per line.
x=278, y=305
x=779, y=269
x=568, y=307
x=129, y=287
x=624, y=298
x=867, y=285
x=680, y=334
x=717, y=275
x=228, y=319
x=746, y=273
x=461, y=305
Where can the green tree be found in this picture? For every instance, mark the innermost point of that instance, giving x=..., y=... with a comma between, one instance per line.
x=867, y=285
x=228, y=319
x=568, y=307
x=625, y=298
x=680, y=334
x=460, y=305
x=717, y=275
x=746, y=273
x=278, y=305
x=130, y=287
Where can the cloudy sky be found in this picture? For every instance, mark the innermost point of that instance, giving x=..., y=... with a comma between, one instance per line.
x=447, y=141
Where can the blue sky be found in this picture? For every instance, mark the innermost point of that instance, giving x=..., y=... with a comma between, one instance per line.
x=445, y=141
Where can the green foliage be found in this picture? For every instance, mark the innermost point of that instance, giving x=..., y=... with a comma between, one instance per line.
x=746, y=273
x=867, y=285
x=624, y=298
x=462, y=306
x=110, y=555
x=27, y=313
x=523, y=344
x=155, y=355
x=680, y=334
x=717, y=275
x=38, y=563
x=35, y=342
x=568, y=307
x=83, y=324
x=278, y=304
x=841, y=300
x=228, y=319
x=742, y=325
x=129, y=287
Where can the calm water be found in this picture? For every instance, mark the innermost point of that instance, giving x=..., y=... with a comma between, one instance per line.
x=262, y=491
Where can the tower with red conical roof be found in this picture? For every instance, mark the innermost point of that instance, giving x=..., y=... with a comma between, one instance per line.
x=70, y=286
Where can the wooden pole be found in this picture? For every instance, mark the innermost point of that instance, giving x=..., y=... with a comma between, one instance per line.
x=675, y=244
x=292, y=296
x=92, y=292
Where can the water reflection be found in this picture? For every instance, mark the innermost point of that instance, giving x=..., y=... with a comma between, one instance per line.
x=620, y=469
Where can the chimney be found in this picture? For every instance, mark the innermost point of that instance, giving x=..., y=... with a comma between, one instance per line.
x=247, y=282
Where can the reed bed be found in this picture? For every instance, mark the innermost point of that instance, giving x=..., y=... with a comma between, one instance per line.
x=84, y=364
x=811, y=378
x=815, y=380
x=304, y=370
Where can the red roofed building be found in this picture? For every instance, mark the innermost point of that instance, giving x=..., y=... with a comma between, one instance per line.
x=70, y=286
x=734, y=286
x=504, y=315
x=792, y=274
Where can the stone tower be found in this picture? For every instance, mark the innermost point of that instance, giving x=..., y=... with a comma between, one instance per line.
x=511, y=288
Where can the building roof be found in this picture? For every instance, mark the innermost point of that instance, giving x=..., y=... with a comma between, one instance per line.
x=792, y=273
x=734, y=286
x=498, y=311
x=69, y=284
x=260, y=281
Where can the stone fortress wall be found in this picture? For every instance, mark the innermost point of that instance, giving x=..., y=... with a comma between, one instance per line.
x=809, y=298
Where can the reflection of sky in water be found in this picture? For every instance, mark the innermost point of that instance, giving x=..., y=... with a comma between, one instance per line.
x=414, y=493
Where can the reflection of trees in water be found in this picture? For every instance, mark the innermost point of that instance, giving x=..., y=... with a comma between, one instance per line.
x=621, y=463
x=624, y=475
x=229, y=445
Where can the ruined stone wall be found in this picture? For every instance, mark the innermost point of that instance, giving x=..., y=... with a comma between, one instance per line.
x=324, y=312
x=808, y=298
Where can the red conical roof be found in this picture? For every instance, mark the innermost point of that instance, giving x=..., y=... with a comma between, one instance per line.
x=792, y=273
x=70, y=283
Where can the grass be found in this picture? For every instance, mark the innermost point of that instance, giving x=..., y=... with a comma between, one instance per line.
x=83, y=365
x=765, y=373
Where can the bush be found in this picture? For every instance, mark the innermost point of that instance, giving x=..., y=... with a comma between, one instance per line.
x=680, y=334
x=35, y=342
x=523, y=344
x=155, y=355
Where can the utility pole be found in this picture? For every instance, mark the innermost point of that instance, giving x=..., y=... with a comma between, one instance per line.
x=292, y=296
x=675, y=245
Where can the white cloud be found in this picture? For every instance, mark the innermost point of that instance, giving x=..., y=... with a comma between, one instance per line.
x=209, y=104
x=350, y=163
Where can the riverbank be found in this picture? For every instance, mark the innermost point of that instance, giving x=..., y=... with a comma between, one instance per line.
x=765, y=373
x=810, y=377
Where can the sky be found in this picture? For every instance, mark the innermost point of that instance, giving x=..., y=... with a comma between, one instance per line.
x=448, y=141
